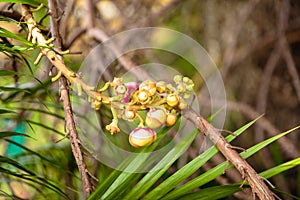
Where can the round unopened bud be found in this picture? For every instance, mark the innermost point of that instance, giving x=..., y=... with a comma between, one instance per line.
x=155, y=118
x=181, y=87
x=120, y=89
x=182, y=104
x=150, y=86
x=129, y=114
x=143, y=96
x=172, y=100
x=177, y=78
x=141, y=137
x=171, y=119
x=161, y=86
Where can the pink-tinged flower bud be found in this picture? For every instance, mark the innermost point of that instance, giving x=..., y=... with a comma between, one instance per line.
x=150, y=86
x=155, y=118
x=131, y=87
x=171, y=119
x=141, y=137
x=172, y=100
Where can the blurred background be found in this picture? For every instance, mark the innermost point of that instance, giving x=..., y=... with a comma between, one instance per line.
x=254, y=44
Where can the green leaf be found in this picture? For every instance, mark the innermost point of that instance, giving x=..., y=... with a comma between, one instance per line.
x=219, y=169
x=191, y=167
x=30, y=2
x=5, y=89
x=35, y=179
x=7, y=73
x=118, y=181
x=4, y=111
x=8, y=134
x=45, y=127
x=7, y=34
x=160, y=168
x=30, y=151
x=280, y=168
x=215, y=192
x=223, y=191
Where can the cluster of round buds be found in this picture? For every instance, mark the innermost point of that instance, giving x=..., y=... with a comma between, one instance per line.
x=161, y=100
x=184, y=85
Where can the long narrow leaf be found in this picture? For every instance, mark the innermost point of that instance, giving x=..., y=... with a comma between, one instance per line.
x=280, y=168
x=118, y=181
x=30, y=2
x=191, y=167
x=30, y=151
x=161, y=167
x=227, y=190
x=9, y=133
x=4, y=111
x=35, y=179
x=215, y=192
x=218, y=170
x=8, y=34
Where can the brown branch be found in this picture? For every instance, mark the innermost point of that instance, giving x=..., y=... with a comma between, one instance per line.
x=74, y=140
x=258, y=186
x=65, y=98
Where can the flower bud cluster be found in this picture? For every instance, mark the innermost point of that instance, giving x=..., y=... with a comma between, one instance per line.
x=160, y=100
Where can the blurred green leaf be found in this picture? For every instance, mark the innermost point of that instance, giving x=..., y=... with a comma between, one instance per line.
x=30, y=2
x=4, y=111
x=8, y=134
x=7, y=73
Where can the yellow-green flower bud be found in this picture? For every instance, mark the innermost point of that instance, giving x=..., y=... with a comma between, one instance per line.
x=150, y=86
x=171, y=119
x=177, y=78
x=161, y=86
x=182, y=104
x=155, y=118
x=172, y=100
x=141, y=137
x=120, y=89
x=129, y=115
x=143, y=96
